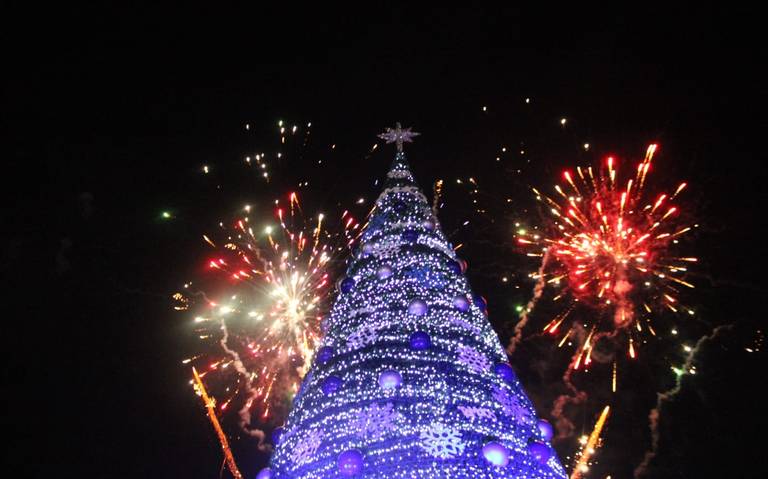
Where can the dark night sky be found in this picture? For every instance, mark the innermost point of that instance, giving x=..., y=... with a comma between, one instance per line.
x=108, y=114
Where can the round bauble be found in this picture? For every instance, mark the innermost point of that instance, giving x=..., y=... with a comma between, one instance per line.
x=324, y=354
x=461, y=303
x=420, y=341
x=496, y=454
x=480, y=302
x=390, y=379
x=350, y=462
x=546, y=429
x=331, y=384
x=504, y=371
x=540, y=451
x=265, y=473
x=418, y=307
x=277, y=433
x=346, y=285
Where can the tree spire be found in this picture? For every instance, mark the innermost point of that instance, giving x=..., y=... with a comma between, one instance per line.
x=398, y=135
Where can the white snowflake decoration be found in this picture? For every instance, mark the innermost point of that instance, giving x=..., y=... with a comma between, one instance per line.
x=441, y=441
x=474, y=412
x=472, y=358
x=307, y=446
x=365, y=335
x=511, y=405
x=385, y=249
x=375, y=420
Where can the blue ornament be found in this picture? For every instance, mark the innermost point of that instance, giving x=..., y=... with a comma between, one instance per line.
x=418, y=307
x=350, y=462
x=546, y=430
x=384, y=272
x=461, y=303
x=265, y=473
x=504, y=371
x=480, y=302
x=496, y=454
x=400, y=206
x=540, y=451
x=428, y=225
x=346, y=285
x=420, y=341
x=390, y=379
x=324, y=354
x=277, y=434
x=454, y=267
x=331, y=384
x=410, y=236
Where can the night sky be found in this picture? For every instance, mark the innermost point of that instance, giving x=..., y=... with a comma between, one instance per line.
x=109, y=114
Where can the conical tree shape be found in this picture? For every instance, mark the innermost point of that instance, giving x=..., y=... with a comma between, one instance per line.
x=411, y=381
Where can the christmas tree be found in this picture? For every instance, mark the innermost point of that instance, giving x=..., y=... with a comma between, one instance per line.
x=411, y=381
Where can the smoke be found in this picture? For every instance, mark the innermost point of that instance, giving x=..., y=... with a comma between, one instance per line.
x=666, y=396
x=244, y=414
x=538, y=290
x=574, y=396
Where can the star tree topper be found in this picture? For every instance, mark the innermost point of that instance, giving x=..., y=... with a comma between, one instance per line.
x=399, y=136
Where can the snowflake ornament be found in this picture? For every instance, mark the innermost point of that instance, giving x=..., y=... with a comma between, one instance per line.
x=375, y=420
x=474, y=359
x=474, y=412
x=512, y=405
x=365, y=335
x=441, y=441
x=307, y=446
x=385, y=249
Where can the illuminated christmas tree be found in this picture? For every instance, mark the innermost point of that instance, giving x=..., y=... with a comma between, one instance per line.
x=411, y=381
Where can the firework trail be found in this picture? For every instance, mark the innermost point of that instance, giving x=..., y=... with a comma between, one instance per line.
x=582, y=466
x=538, y=290
x=666, y=396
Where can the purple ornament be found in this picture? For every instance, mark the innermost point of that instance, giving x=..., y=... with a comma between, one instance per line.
x=546, y=430
x=384, y=271
x=504, y=371
x=390, y=379
x=480, y=302
x=265, y=473
x=324, y=354
x=331, y=384
x=367, y=248
x=454, y=267
x=277, y=433
x=428, y=225
x=420, y=341
x=464, y=265
x=496, y=454
x=411, y=236
x=540, y=451
x=461, y=303
x=418, y=307
x=350, y=462
x=346, y=284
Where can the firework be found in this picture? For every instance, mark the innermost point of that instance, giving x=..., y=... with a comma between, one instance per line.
x=589, y=445
x=611, y=245
x=260, y=328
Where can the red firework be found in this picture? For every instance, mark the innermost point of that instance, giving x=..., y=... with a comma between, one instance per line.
x=612, y=245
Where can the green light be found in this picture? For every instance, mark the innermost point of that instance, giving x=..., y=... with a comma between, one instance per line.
x=166, y=215
x=519, y=308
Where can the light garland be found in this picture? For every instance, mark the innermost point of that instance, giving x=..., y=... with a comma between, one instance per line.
x=411, y=380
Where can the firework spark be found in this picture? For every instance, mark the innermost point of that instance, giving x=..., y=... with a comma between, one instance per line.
x=261, y=327
x=611, y=246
